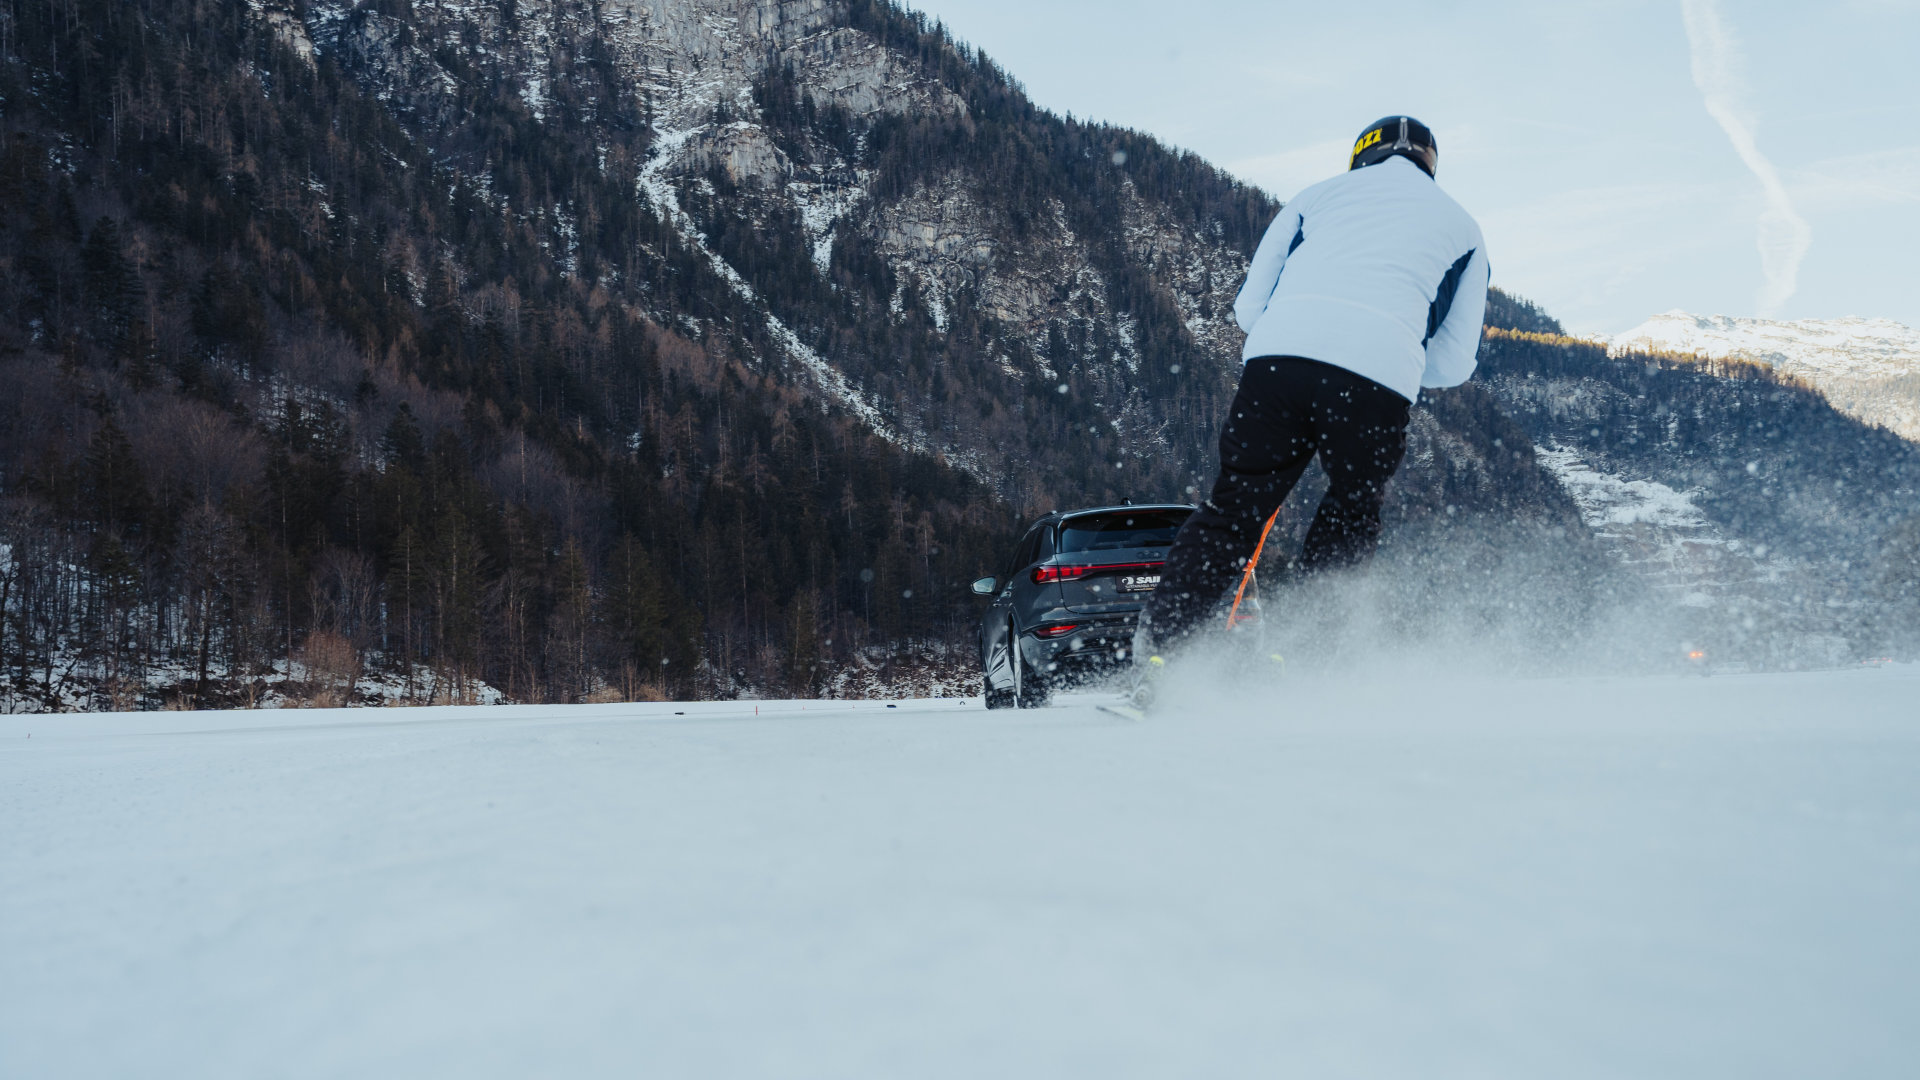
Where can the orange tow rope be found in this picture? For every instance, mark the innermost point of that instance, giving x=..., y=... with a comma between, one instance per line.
x=1247, y=574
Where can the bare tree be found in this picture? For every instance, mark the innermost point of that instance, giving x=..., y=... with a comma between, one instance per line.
x=345, y=597
x=213, y=577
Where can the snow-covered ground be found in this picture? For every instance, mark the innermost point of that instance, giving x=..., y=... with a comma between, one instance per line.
x=1385, y=877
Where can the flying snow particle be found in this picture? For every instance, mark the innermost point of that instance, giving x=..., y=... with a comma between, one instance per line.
x=1784, y=235
x=1061, y=389
x=1119, y=157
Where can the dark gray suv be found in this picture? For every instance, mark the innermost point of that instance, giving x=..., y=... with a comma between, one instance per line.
x=1065, y=607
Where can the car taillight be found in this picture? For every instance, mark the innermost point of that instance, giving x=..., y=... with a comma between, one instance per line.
x=1056, y=631
x=1044, y=574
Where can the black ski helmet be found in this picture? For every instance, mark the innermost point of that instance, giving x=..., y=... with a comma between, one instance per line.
x=1396, y=135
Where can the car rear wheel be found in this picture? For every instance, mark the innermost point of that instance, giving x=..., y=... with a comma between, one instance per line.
x=1029, y=686
x=996, y=699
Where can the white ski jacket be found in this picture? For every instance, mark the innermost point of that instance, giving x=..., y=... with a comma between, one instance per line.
x=1377, y=271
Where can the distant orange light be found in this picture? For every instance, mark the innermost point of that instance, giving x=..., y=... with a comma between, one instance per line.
x=1695, y=654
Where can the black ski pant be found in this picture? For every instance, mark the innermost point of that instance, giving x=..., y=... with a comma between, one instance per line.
x=1287, y=410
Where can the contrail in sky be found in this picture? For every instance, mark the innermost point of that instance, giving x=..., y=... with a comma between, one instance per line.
x=1784, y=234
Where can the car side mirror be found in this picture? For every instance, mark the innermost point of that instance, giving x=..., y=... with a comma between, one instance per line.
x=984, y=587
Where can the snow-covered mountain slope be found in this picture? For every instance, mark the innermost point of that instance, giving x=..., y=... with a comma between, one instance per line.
x=1716, y=484
x=1729, y=586
x=786, y=105
x=1870, y=368
x=1417, y=878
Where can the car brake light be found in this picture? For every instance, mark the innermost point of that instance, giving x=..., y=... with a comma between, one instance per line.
x=1044, y=574
x=1056, y=631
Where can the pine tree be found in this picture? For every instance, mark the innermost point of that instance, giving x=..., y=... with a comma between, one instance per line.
x=111, y=283
x=117, y=497
x=403, y=445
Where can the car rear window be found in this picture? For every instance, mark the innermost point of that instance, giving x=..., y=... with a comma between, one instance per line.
x=1100, y=532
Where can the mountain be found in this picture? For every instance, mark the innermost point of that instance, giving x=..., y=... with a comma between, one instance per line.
x=1785, y=531
x=557, y=350
x=1869, y=368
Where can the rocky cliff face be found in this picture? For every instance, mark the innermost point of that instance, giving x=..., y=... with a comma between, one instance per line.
x=1042, y=304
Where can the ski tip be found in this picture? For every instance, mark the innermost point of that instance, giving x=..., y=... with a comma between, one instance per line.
x=1126, y=712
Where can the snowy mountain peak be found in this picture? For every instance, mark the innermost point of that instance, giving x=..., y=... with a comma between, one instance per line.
x=1869, y=368
x=1851, y=347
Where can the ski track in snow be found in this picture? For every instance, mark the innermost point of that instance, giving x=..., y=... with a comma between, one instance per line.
x=1647, y=877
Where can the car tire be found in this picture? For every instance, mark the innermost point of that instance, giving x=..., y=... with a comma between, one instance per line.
x=995, y=699
x=1030, y=686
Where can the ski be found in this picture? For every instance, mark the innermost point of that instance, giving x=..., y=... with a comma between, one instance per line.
x=1124, y=711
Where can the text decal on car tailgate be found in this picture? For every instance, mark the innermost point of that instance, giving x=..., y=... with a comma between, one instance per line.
x=1138, y=582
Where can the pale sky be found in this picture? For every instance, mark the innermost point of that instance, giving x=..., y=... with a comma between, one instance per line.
x=1575, y=130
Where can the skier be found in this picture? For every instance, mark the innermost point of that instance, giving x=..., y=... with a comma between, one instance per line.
x=1365, y=288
